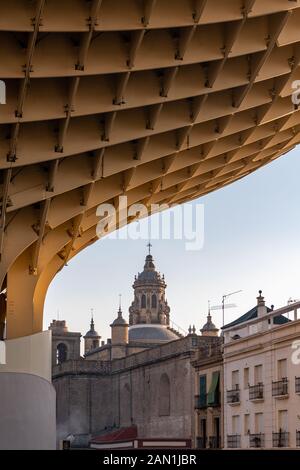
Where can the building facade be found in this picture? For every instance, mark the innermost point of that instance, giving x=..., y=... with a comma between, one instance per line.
x=209, y=391
x=143, y=377
x=261, y=379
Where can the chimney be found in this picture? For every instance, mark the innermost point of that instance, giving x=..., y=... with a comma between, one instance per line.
x=261, y=305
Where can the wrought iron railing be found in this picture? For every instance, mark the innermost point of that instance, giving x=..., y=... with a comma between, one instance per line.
x=201, y=442
x=214, y=442
x=280, y=388
x=297, y=384
x=280, y=439
x=256, y=392
x=234, y=441
x=257, y=440
x=233, y=396
x=200, y=402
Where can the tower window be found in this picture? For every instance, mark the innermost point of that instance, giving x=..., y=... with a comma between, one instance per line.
x=143, y=303
x=61, y=353
x=154, y=301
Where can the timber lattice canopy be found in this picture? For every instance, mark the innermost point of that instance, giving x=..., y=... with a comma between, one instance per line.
x=160, y=100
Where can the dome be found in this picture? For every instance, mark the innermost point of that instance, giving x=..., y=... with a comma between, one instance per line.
x=149, y=274
x=151, y=334
x=209, y=327
x=92, y=333
x=119, y=321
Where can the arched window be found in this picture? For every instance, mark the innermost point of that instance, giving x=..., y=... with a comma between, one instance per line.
x=143, y=303
x=61, y=353
x=154, y=301
x=164, y=396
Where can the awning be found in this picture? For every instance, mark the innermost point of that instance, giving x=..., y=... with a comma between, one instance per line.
x=212, y=396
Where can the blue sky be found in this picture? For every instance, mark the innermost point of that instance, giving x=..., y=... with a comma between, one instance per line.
x=251, y=242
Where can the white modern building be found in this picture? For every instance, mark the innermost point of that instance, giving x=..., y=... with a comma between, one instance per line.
x=262, y=378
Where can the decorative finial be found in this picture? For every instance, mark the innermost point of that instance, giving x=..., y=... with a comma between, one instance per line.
x=190, y=330
x=92, y=319
x=149, y=247
x=120, y=305
x=209, y=307
x=194, y=330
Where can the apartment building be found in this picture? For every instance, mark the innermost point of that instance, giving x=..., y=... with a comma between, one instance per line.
x=261, y=378
x=208, y=391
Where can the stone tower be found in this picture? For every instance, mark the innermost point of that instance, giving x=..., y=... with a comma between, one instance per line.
x=119, y=329
x=150, y=305
x=65, y=345
x=149, y=313
x=91, y=338
x=209, y=329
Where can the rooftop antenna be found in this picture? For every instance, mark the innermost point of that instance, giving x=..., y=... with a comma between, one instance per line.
x=120, y=301
x=223, y=306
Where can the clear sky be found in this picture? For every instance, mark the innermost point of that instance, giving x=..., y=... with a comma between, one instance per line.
x=252, y=237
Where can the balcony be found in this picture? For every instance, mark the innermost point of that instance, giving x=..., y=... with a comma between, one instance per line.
x=280, y=388
x=234, y=441
x=298, y=438
x=214, y=442
x=257, y=440
x=200, y=402
x=297, y=384
x=233, y=396
x=256, y=392
x=201, y=443
x=280, y=439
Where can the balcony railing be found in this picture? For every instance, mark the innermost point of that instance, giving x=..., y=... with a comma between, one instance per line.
x=201, y=442
x=297, y=384
x=298, y=438
x=257, y=440
x=200, y=402
x=234, y=441
x=280, y=439
x=256, y=392
x=214, y=442
x=233, y=396
x=280, y=388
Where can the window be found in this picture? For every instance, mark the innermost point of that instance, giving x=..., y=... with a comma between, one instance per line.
x=143, y=302
x=259, y=423
x=61, y=353
x=235, y=379
x=202, y=391
x=246, y=424
x=236, y=425
x=281, y=369
x=154, y=301
x=282, y=420
x=246, y=377
x=164, y=396
x=258, y=374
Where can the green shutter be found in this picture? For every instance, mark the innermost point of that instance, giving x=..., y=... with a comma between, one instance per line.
x=212, y=397
x=202, y=396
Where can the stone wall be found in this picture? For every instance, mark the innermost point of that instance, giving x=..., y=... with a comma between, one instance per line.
x=93, y=396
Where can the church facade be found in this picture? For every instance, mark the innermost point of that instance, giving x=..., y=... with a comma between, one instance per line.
x=142, y=378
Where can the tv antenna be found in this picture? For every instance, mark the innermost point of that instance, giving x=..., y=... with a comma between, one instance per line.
x=224, y=306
